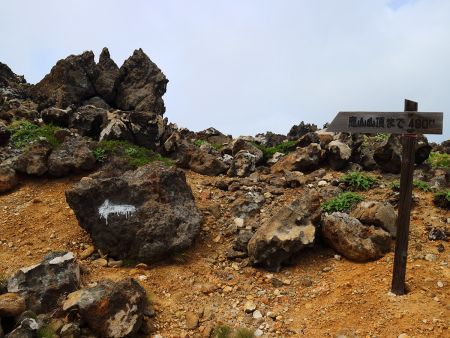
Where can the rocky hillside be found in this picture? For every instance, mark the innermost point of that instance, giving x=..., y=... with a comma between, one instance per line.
x=115, y=222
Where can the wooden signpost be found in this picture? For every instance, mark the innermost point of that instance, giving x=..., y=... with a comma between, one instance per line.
x=408, y=123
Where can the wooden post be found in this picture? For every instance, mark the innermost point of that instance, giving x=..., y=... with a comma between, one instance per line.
x=404, y=209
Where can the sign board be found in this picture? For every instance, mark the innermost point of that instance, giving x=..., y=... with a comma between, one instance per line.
x=387, y=122
x=407, y=123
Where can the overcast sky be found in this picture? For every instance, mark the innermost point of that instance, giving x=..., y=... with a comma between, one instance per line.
x=248, y=66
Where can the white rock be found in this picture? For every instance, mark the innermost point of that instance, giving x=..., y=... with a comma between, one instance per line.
x=249, y=307
x=322, y=183
x=440, y=284
x=258, y=333
x=257, y=314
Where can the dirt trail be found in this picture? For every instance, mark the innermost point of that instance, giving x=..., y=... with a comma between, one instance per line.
x=319, y=296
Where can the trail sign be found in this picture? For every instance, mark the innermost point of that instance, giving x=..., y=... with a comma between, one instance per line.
x=387, y=122
x=407, y=123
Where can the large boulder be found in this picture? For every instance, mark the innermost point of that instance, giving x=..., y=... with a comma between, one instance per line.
x=69, y=81
x=56, y=116
x=290, y=230
x=241, y=144
x=89, y=121
x=75, y=155
x=106, y=77
x=301, y=129
x=110, y=309
x=8, y=178
x=422, y=150
x=338, y=154
x=206, y=164
x=213, y=136
x=142, y=215
x=45, y=285
x=388, y=155
x=378, y=214
x=33, y=161
x=350, y=238
x=303, y=159
x=141, y=85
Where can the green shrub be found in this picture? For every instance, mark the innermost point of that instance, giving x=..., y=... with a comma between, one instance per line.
x=135, y=155
x=284, y=147
x=439, y=160
x=199, y=143
x=46, y=331
x=222, y=331
x=244, y=333
x=343, y=202
x=359, y=181
x=395, y=185
x=24, y=132
x=424, y=186
x=381, y=137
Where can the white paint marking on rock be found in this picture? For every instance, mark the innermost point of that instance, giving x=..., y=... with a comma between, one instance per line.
x=60, y=259
x=108, y=208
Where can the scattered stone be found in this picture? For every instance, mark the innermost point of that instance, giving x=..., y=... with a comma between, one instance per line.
x=191, y=320
x=338, y=154
x=437, y=234
x=110, y=309
x=350, y=238
x=244, y=163
x=43, y=285
x=388, y=155
x=27, y=329
x=440, y=284
x=142, y=215
x=430, y=257
x=70, y=330
x=33, y=161
x=8, y=179
x=11, y=305
x=249, y=307
x=303, y=159
x=87, y=252
x=257, y=314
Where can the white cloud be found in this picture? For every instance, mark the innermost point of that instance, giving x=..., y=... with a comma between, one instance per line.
x=249, y=66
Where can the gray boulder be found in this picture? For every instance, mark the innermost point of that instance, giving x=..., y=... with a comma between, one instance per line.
x=27, y=329
x=378, y=214
x=206, y=164
x=56, y=116
x=141, y=85
x=33, y=161
x=75, y=155
x=143, y=215
x=290, y=230
x=350, y=238
x=388, y=155
x=110, y=309
x=241, y=144
x=45, y=285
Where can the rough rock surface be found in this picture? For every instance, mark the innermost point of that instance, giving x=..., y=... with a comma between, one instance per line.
x=144, y=215
x=290, y=230
x=350, y=238
x=4, y=134
x=303, y=159
x=75, y=155
x=33, y=161
x=56, y=116
x=244, y=163
x=69, y=81
x=110, y=309
x=11, y=305
x=106, y=76
x=338, y=154
x=301, y=129
x=8, y=178
x=8, y=78
x=141, y=85
x=207, y=164
x=388, y=155
x=27, y=329
x=89, y=120
x=44, y=285
x=378, y=214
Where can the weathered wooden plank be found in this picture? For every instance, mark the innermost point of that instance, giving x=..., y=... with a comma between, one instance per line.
x=388, y=122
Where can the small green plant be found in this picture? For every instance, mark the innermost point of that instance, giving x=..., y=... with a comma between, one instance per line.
x=381, y=137
x=442, y=199
x=244, y=333
x=135, y=155
x=199, y=143
x=343, y=202
x=46, y=331
x=222, y=331
x=359, y=181
x=439, y=160
x=24, y=132
x=284, y=147
x=421, y=185
x=395, y=185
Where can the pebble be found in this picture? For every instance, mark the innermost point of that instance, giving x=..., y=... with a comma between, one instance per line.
x=249, y=307
x=327, y=268
x=440, y=284
x=258, y=333
x=322, y=183
x=430, y=257
x=100, y=262
x=257, y=314
x=403, y=335
x=191, y=320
